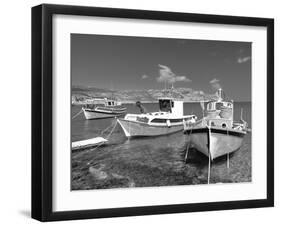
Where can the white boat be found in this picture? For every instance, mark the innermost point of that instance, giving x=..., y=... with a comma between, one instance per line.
x=216, y=134
x=168, y=120
x=97, y=141
x=104, y=108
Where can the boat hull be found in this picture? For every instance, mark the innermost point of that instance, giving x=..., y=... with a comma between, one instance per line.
x=139, y=129
x=216, y=141
x=97, y=141
x=92, y=114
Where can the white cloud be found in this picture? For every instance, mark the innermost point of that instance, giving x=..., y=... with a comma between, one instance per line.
x=242, y=60
x=144, y=76
x=166, y=75
x=215, y=83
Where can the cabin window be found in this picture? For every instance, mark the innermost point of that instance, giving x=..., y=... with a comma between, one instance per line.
x=219, y=106
x=159, y=120
x=166, y=105
x=142, y=119
x=175, y=120
x=211, y=106
x=109, y=103
x=223, y=125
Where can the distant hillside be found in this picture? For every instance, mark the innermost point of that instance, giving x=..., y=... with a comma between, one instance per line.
x=82, y=89
x=82, y=95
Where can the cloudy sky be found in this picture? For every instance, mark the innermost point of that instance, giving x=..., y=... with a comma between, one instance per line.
x=118, y=62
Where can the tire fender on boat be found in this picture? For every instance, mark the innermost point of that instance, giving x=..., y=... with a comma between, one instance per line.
x=168, y=123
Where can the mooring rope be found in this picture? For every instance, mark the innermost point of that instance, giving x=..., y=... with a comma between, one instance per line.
x=189, y=142
x=209, y=162
x=77, y=114
x=113, y=122
x=96, y=147
x=106, y=137
x=227, y=163
x=112, y=130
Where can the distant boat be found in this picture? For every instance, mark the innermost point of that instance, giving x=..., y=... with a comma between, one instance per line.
x=104, y=108
x=216, y=134
x=168, y=120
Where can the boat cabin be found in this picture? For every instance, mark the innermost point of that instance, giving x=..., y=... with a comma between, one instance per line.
x=171, y=105
x=170, y=113
x=219, y=112
x=111, y=103
x=103, y=103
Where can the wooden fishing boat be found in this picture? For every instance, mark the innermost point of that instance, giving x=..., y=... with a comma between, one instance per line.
x=105, y=108
x=97, y=141
x=216, y=134
x=169, y=119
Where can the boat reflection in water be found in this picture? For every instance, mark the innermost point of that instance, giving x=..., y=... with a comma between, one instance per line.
x=169, y=119
x=216, y=134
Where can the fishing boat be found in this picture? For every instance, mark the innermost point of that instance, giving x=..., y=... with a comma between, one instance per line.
x=104, y=108
x=216, y=134
x=169, y=119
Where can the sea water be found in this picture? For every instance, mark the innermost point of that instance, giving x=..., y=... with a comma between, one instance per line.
x=154, y=161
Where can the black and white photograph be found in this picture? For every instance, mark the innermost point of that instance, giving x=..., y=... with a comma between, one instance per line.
x=145, y=112
x=148, y=112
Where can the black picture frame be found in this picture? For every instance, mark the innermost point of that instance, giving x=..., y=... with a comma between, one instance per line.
x=42, y=108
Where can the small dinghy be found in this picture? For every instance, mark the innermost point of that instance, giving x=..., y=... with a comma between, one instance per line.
x=97, y=141
x=169, y=119
x=106, y=108
x=216, y=134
